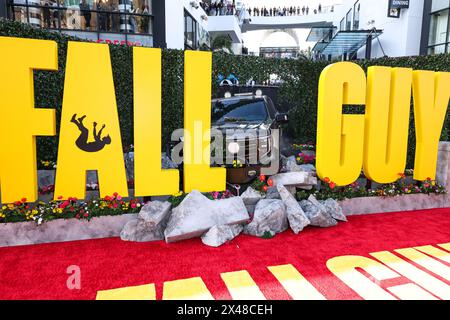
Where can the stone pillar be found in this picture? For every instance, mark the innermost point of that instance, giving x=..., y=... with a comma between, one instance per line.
x=443, y=170
x=443, y=165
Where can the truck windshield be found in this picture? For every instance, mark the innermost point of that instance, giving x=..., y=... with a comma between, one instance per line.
x=238, y=111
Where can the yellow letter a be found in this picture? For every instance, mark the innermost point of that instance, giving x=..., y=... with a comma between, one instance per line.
x=150, y=180
x=20, y=122
x=90, y=133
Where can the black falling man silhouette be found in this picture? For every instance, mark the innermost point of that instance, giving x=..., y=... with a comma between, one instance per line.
x=82, y=143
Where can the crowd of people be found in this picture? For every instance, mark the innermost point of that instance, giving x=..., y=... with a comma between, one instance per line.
x=284, y=11
x=219, y=7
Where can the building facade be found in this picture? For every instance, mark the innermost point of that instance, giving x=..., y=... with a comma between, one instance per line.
x=175, y=24
x=436, y=27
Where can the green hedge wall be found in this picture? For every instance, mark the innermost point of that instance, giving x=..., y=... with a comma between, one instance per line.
x=299, y=89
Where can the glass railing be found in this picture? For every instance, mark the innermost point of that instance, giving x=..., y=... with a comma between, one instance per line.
x=59, y=17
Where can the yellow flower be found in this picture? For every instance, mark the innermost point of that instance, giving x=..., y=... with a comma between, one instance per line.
x=59, y=210
x=4, y=207
x=10, y=206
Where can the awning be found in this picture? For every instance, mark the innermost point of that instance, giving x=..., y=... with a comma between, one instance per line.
x=346, y=42
x=318, y=34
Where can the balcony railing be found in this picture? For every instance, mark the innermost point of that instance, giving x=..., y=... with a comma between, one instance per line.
x=59, y=17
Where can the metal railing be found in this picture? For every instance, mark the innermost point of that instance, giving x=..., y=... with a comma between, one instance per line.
x=72, y=18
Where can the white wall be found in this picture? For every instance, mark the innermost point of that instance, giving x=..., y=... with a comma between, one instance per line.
x=175, y=21
x=401, y=37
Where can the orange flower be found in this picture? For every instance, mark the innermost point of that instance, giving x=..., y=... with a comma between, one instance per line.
x=265, y=188
x=270, y=183
x=327, y=180
x=262, y=178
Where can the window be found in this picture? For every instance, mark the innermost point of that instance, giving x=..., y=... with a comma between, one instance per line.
x=439, y=38
x=111, y=16
x=190, y=31
x=348, y=20
x=356, y=10
x=342, y=25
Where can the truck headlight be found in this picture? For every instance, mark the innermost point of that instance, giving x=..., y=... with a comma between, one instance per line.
x=233, y=148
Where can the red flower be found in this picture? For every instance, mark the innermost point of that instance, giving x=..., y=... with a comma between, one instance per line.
x=428, y=179
x=64, y=204
x=108, y=198
x=270, y=183
x=262, y=178
x=332, y=185
x=426, y=185
x=327, y=180
x=24, y=200
x=133, y=205
x=86, y=214
x=77, y=216
x=265, y=188
x=60, y=197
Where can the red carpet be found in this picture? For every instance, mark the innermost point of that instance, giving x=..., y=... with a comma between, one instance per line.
x=39, y=271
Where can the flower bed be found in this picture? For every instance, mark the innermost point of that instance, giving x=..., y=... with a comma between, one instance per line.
x=67, y=209
x=402, y=187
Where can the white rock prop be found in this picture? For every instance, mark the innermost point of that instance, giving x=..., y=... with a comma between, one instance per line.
x=272, y=193
x=334, y=208
x=139, y=231
x=218, y=235
x=270, y=217
x=150, y=225
x=317, y=213
x=296, y=217
x=303, y=180
x=196, y=214
x=154, y=212
x=251, y=196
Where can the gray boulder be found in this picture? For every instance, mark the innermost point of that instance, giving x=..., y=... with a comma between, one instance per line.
x=139, y=231
x=155, y=212
x=272, y=193
x=270, y=217
x=296, y=217
x=334, y=209
x=308, y=168
x=250, y=209
x=317, y=213
x=196, y=214
x=303, y=180
x=218, y=235
x=150, y=224
x=251, y=196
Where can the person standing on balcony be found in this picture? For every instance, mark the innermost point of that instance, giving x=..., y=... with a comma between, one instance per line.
x=101, y=7
x=303, y=10
x=320, y=8
x=46, y=10
x=86, y=13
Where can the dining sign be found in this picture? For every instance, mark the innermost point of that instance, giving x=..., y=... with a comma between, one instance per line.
x=90, y=137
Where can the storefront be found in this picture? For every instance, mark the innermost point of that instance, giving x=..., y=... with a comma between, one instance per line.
x=114, y=20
